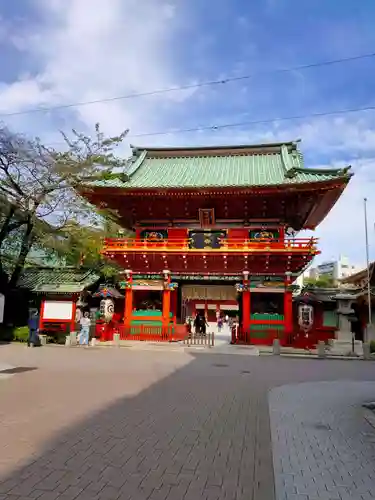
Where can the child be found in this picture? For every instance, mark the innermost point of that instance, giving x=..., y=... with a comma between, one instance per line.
x=85, y=329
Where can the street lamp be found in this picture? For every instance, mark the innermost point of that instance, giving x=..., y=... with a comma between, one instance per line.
x=369, y=324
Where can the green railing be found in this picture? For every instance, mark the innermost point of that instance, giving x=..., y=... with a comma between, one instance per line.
x=267, y=317
x=148, y=317
x=261, y=330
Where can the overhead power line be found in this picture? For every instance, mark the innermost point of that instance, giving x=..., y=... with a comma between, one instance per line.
x=242, y=124
x=254, y=122
x=208, y=83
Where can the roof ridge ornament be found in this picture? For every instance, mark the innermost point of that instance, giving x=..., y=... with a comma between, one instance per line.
x=136, y=163
x=285, y=160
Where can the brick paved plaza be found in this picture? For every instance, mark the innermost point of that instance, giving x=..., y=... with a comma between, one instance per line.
x=111, y=423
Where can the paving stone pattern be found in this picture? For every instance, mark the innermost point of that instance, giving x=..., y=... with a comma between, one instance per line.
x=323, y=448
x=107, y=424
x=196, y=434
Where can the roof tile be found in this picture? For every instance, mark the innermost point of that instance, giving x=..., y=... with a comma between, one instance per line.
x=280, y=164
x=64, y=279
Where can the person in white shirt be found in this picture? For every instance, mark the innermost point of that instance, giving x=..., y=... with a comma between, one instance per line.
x=85, y=329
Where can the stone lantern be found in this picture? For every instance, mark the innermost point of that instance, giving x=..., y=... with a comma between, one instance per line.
x=343, y=343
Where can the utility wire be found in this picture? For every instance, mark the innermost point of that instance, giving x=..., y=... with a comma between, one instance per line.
x=242, y=124
x=254, y=122
x=208, y=83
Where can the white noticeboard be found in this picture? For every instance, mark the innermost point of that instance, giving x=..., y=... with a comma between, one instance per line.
x=56, y=309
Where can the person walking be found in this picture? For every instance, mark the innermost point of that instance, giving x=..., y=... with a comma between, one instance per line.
x=85, y=329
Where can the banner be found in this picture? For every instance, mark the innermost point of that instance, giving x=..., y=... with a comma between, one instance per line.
x=264, y=234
x=154, y=235
x=206, y=239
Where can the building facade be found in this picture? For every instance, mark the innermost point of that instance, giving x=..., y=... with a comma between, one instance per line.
x=214, y=231
x=335, y=269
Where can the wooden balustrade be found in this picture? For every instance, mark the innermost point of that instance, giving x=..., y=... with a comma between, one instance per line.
x=113, y=245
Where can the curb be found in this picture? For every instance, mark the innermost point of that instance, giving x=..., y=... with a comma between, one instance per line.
x=315, y=356
x=369, y=416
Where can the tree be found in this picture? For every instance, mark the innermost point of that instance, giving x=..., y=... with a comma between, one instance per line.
x=38, y=184
x=82, y=245
x=323, y=281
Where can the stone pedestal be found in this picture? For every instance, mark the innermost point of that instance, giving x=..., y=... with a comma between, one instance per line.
x=343, y=343
x=43, y=340
x=321, y=349
x=366, y=351
x=276, y=350
x=370, y=333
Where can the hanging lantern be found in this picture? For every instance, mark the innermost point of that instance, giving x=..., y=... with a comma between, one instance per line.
x=107, y=309
x=305, y=317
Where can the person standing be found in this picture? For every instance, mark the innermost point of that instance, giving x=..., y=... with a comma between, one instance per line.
x=204, y=325
x=32, y=340
x=197, y=323
x=85, y=329
x=219, y=324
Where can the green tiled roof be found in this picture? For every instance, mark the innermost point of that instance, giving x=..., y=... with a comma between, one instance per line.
x=53, y=280
x=232, y=166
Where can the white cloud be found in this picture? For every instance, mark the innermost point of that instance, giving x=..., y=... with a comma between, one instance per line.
x=342, y=232
x=89, y=49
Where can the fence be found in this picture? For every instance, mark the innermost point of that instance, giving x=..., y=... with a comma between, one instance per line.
x=263, y=335
x=152, y=333
x=184, y=244
x=207, y=340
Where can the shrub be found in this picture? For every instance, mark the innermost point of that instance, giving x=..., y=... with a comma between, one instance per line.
x=372, y=346
x=56, y=338
x=21, y=334
x=6, y=333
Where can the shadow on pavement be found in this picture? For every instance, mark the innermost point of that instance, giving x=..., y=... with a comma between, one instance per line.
x=201, y=432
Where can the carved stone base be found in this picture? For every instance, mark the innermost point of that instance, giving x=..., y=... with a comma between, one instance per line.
x=344, y=347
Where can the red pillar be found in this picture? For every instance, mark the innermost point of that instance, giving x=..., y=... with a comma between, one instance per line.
x=166, y=301
x=74, y=310
x=246, y=305
x=288, y=307
x=41, y=313
x=174, y=303
x=128, y=299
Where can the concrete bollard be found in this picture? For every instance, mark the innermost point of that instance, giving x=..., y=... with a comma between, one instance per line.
x=43, y=340
x=67, y=341
x=276, y=349
x=73, y=338
x=366, y=350
x=321, y=349
x=116, y=339
x=93, y=342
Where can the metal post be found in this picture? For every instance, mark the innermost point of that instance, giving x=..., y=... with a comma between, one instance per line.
x=368, y=267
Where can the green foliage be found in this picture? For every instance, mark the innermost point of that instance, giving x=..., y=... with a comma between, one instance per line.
x=82, y=245
x=38, y=196
x=372, y=346
x=21, y=334
x=321, y=282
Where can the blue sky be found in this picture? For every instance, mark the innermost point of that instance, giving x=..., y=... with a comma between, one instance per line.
x=61, y=51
